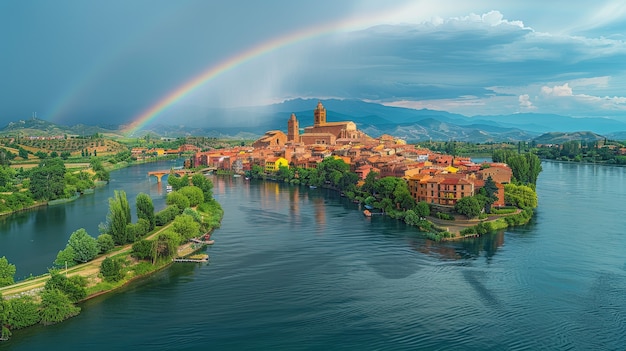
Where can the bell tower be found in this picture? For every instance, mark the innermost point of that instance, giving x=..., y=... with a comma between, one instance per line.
x=320, y=115
x=293, y=131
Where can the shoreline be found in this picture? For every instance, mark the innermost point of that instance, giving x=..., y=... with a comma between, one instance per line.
x=98, y=184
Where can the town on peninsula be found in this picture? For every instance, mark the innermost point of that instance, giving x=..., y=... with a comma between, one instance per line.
x=444, y=195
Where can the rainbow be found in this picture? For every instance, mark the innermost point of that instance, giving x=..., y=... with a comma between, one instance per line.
x=261, y=49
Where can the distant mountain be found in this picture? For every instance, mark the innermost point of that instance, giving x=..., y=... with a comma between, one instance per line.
x=542, y=123
x=561, y=137
x=374, y=119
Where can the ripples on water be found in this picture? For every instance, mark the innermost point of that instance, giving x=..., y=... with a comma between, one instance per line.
x=296, y=269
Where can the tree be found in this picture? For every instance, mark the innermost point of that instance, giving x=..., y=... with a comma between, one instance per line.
x=47, y=181
x=7, y=272
x=468, y=206
x=118, y=217
x=193, y=193
x=7, y=174
x=534, y=167
x=112, y=269
x=145, y=208
x=205, y=184
x=422, y=209
x=166, y=245
x=105, y=243
x=525, y=168
x=143, y=249
x=520, y=196
x=490, y=192
x=66, y=257
x=73, y=287
x=370, y=181
x=85, y=246
x=178, y=199
x=56, y=307
x=411, y=218
x=402, y=196
x=186, y=226
x=22, y=153
x=5, y=333
x=22, y=312
x=177, y=182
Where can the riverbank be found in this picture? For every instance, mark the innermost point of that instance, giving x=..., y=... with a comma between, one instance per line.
x=460, y=228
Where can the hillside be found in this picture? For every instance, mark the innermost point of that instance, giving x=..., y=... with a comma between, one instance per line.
x=561, y=137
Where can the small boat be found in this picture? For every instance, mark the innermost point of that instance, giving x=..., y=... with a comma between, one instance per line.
x=367, y=213
x=236, y=175
x=169, y=188
x=312, y=187
x=369, y=207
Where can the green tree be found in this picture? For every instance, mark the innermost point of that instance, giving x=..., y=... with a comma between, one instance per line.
x=370, y=181
x=73, y=287
x=186, y=226
x=5, y=333
x=520, y=196
x=105, y=243
x=118, y=217
x=402, y=196
x=178, y=199
x=205, y=184
x=193, y=193
x=23, y=312
x=22, y=153
x=422, y=209
x=56, y=307
x=47, y=181
x=411, y=218
x=112, y=269
x=7, y=272
x=66, y=257
x=502, y=155
x=193, y=213
x=145, y=208
x=534, y=167
x=85, y=246
x=177, y=182
x=468, y=206
x=7, y=174
x=143, y=249
x=101, y=173
x=490, y=191
x=166, y=245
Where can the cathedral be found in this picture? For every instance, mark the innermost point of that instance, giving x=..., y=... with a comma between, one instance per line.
x=321, y=133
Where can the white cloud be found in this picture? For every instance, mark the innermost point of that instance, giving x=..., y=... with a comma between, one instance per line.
x=557, y=90
x=525, y=103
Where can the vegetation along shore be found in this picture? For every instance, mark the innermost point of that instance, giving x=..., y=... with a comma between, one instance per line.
x=90, y=266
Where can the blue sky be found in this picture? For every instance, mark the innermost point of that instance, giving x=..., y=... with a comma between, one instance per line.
x=108, y=61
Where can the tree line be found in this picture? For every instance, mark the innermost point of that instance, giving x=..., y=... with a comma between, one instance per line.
x=190, y=210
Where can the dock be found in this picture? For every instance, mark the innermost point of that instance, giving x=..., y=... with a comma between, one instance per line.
x=194, y=260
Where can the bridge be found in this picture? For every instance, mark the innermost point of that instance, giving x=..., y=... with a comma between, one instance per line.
x=160, y=174
x=180, y=172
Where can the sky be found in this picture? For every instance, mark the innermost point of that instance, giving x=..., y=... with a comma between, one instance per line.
x=149, y=61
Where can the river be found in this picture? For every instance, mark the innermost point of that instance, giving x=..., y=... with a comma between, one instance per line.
x=300, y=269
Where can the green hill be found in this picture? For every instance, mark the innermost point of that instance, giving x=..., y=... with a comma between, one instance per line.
x=561, y=137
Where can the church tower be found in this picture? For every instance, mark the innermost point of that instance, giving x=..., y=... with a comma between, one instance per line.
x=293, y=131
x=320, y=115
